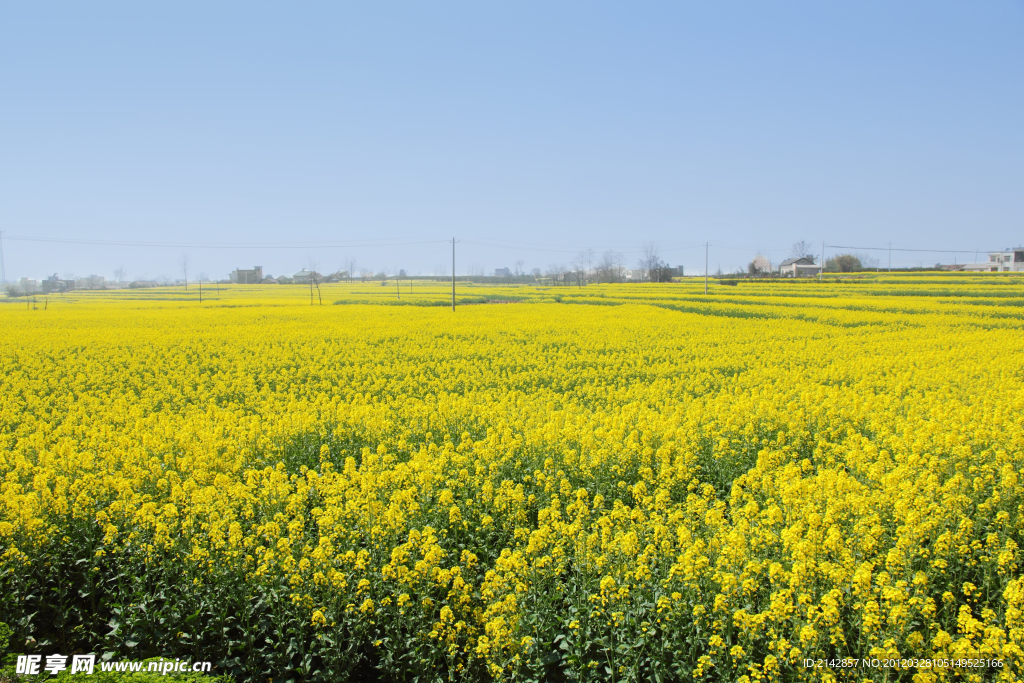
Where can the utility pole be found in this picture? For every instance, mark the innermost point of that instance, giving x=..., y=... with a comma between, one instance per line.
x=398, y=288
x=453, y=274
x=821, y=271
x=3, y=269
x=705, y=268
x=890, y=257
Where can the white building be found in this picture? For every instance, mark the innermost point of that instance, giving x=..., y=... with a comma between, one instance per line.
x=795, y=267
x=247, y=277
x=1006, y=261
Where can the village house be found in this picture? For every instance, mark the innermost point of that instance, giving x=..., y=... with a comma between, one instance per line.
x=304, y=277
x=795, y=267
x=54, y=285
x=247, y=277
x=1006, y=261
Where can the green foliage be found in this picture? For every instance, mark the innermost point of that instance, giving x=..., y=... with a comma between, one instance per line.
x=843, y=263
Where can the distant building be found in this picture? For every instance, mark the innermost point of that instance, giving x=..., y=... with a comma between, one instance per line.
x=91, y=282
x=26, y=286
x=304, y=277
x=1006, y=261
x=247, y=277
x=502, y=272
x=795, y=267
x=54, y=285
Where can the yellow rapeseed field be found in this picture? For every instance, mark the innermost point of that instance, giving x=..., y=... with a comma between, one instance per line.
x=625, y=483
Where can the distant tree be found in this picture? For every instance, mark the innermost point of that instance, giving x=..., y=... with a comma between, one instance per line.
x=557, y=273
x=867, y=261
x=519, y=268
x=843, y=263
x=588, y=257
x=649, y=260
x=662, y=273
x=348, y=268
x=578, y=265
x=120, y=273
x=184, y=269
x=315, y=279
x=609, y=268
x=803, y=249
x=759, y=266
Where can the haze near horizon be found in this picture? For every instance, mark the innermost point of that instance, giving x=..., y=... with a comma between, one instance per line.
x=246, y=134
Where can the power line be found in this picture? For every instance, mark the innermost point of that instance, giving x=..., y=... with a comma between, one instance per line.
x=935, y=251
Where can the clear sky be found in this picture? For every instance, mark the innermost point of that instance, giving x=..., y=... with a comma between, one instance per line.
x=527, y=130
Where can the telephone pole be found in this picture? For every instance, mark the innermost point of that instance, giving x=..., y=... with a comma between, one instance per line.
x=705, y=268
x=890, y=257
x=3, y=269
x=453, y=274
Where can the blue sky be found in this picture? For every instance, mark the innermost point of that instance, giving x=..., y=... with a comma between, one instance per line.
x=528, y=131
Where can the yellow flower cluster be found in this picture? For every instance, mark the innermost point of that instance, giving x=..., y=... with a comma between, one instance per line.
x=649, y=484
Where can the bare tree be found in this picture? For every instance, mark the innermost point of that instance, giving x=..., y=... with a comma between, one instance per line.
x=314, y=281
x=583, y=263
x=803, y=249
x=119, y=274
x=184, y=269
x=577, y=265
x=590, y=258
x=519, y=267
x=556, y=271
x=650, y=259
x=609, y=268
x=348, y=268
